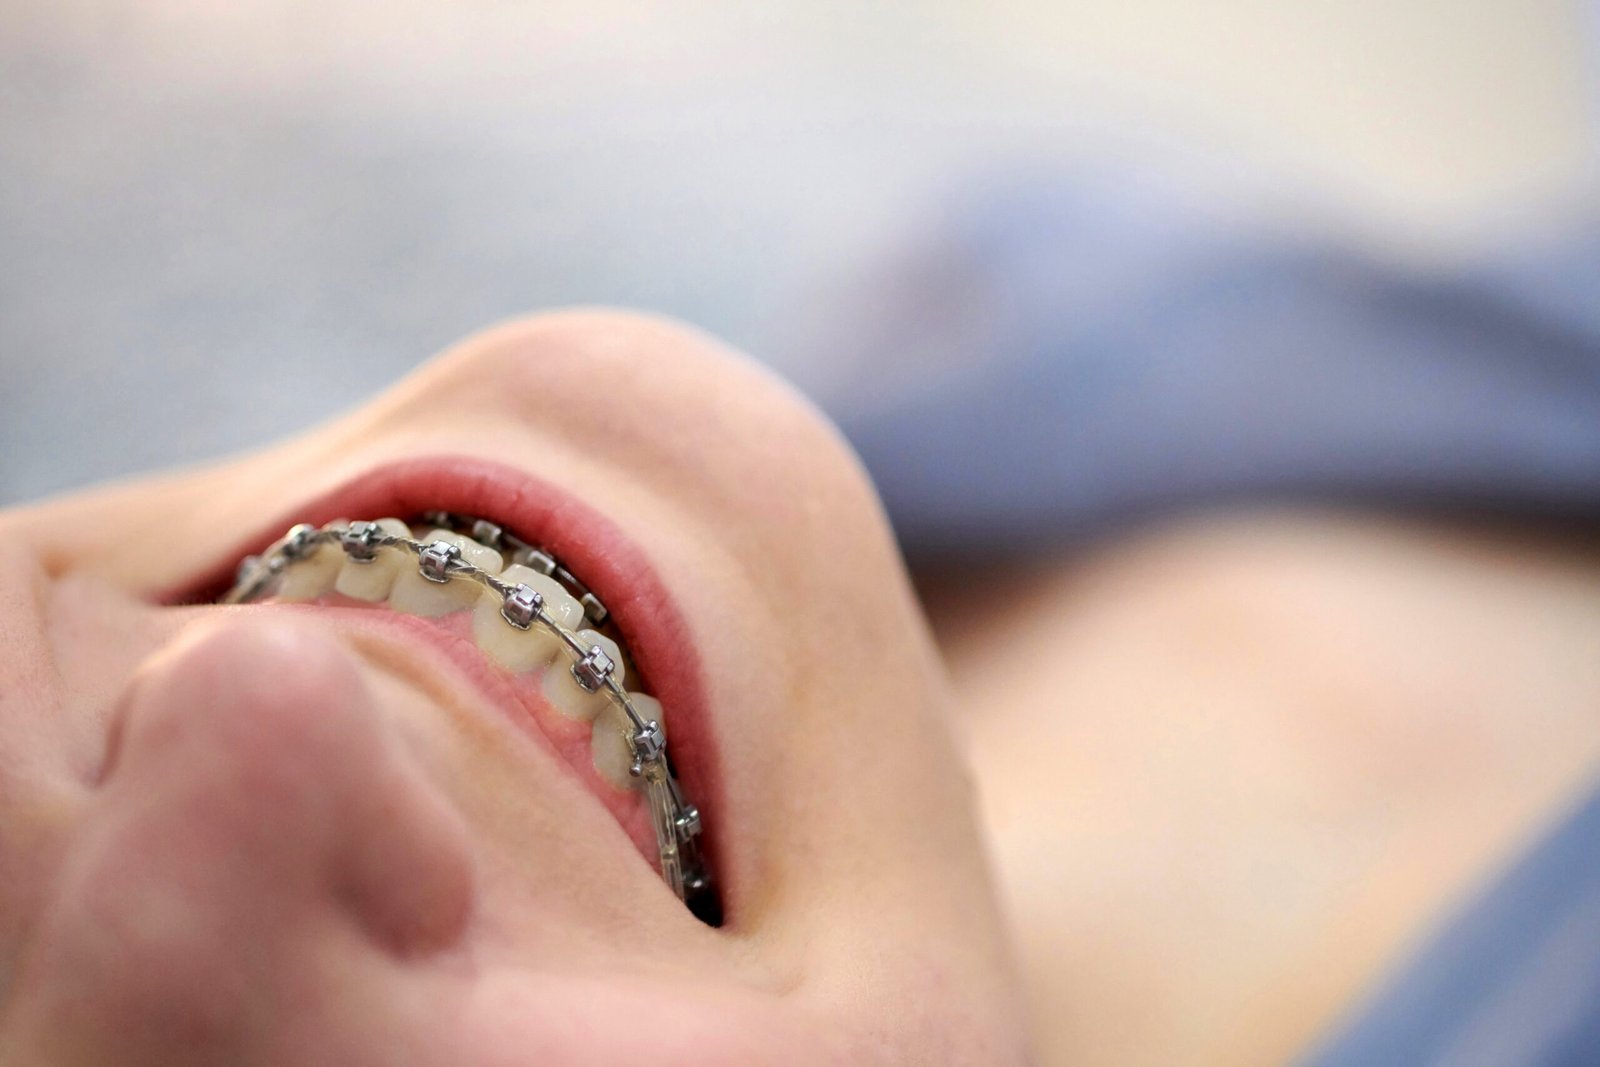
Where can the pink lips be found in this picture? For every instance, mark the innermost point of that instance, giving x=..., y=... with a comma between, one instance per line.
x=614, y=567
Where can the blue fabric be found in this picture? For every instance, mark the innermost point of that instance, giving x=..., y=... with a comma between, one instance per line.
x=1135, y=357
x=1513, y=979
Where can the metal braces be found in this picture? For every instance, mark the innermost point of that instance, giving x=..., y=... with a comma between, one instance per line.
x=517, y=550
x=676, y=822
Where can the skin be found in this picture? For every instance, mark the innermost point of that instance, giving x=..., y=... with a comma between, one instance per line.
x=244, y=835
x=1272, y=749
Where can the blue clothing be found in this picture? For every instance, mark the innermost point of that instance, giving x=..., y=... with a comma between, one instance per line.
x=1188, y=361
x=1513, y=979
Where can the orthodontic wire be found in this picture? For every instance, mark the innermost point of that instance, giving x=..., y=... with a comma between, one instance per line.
x=675, y=821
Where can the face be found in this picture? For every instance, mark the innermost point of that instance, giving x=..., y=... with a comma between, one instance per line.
x=332, y=831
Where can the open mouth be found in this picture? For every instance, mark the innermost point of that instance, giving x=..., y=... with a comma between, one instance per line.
x=603, y=669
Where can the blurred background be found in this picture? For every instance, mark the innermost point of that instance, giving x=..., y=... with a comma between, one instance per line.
x=223, y=222
x=1052, y=267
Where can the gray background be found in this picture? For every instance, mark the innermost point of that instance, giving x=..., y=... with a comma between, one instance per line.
x=221, y=223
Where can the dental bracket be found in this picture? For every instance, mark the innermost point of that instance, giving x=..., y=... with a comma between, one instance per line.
x=677, y=823
x=486, y=533
x=436, y=559
x=301, y=541
x=537, y=558
x=649, y=743
x=361, y=541
x=519, y=551
x=522, y=606
x=592, y=608
x=650, y=747
x=593, y=669
x=688, y=822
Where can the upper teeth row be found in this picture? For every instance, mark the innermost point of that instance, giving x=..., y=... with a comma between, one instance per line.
x=676, y=821
x=517, y=550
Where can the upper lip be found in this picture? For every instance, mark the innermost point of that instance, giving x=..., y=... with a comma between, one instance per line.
x=589, y=543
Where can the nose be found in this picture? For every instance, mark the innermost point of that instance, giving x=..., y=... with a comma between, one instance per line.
x=256, y=807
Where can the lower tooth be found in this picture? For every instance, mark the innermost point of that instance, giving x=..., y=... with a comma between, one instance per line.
x=564, y=693
x=417, y=595
x=372, y=580
x=524, y=650
x=611, y=745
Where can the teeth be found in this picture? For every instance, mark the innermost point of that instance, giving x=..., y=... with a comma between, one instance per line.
x=395, y=574
x=313, y=576
x=610, y=743
x=524, y=650
x=372, y=581
x=416, y=595
x=564, y=693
